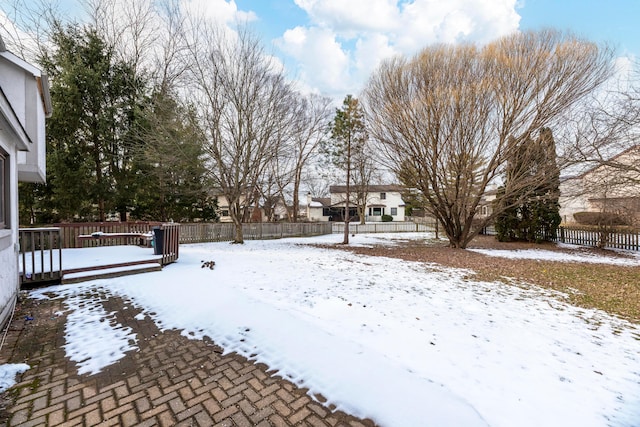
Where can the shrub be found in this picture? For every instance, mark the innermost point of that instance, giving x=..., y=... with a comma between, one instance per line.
x=599, y=218
x=387, y=218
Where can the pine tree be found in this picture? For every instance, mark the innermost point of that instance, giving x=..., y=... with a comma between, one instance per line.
x=347, y=151
x=89, y=135
x=172, y=158
x=533, y=170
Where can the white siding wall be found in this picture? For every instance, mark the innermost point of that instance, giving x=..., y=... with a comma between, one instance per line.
x=22, y=112
x=315, y=214
x=9, y=282
x=392, y=199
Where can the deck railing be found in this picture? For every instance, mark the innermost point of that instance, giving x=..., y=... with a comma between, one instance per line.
x=71, y=231
x=40, y=257
x=170, y=242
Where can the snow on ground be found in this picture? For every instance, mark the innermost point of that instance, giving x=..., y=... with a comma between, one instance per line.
x=8, y=372
x=404, y=343
x=94, y=338
x=387, y=239
x=546, y=255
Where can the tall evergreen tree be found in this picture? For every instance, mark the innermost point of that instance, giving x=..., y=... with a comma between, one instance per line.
x=171, y=158
x=89, y=134
x=536, y=217
x=347, y=149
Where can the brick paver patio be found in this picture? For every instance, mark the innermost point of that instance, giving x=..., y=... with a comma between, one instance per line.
x=170, y=380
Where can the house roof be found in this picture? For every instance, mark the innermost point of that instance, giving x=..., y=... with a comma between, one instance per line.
x=613, y=159
x=320, y=202
x=41, y=78
x=370, y=188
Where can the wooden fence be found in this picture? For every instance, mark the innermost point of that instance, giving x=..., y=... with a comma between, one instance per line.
x=77, y=235
x=225, y=232
x=602, y=238
x=383, y=227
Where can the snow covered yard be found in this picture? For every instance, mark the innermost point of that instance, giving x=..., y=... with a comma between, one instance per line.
x=403, y=343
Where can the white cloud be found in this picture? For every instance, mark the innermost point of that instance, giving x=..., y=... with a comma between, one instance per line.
x=352, y=40
x=359, y=15
x=218, y=10
x=322, y=62
x=370, y=49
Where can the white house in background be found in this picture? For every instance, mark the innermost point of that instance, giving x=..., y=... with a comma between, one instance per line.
x=381, y=200
x=612, y=187
x=318, y=208
x=24, y=105
x=252, y=213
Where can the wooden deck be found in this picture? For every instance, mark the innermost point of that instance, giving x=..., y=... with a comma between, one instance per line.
x=45, y=259
x=82, y=264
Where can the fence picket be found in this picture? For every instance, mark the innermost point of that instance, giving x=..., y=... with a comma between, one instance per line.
x=618, y=239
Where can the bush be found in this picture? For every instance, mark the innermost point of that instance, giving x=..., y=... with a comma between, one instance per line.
x=387, y=218
x=599, y=218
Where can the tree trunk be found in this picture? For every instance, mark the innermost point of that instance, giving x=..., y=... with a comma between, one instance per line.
x=345, y=240
x=296, y=202
x=239, y=236
x=237, y=215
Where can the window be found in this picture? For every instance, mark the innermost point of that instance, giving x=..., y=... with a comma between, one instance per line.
x=224, y=212
x=394, y=211
x=383, y=196
x=485, y=211
x=4, y=188
x=377, y=211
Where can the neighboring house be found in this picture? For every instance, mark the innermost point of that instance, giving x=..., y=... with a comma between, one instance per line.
x=485, y=206
x=251, y=214
x=223, y=208
x=381, y=200
x=318, y=208
x=24, y=104
x=612, y=187
x=280, y=212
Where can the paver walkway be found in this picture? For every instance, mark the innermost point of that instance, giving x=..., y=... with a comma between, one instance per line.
x=170, y=380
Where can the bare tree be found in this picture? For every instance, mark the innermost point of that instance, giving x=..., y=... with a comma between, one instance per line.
x=27, y=27
x=363, y=173
x=603, y=151
x=244, y=101
x=444, y=118
x=310, y=127
x=610, y=126
x=316, y=181
x=130, y=26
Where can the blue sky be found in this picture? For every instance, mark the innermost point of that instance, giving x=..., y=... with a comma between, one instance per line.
x=612, y=21
x=332, y=46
